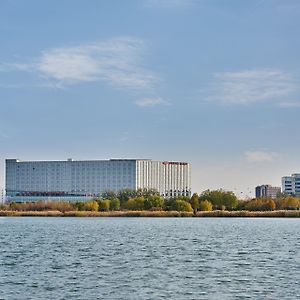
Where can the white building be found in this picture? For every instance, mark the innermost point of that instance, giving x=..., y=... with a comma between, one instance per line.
x=75, y=180
x=291, y=184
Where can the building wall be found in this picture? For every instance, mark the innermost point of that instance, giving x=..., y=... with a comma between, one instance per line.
x=291, y=184
x=86, y=178
x=176, y=179
x=267, y=191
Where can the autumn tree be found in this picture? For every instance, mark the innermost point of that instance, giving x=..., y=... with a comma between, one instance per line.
x=194, y=201
x=135, y=203
x=104, y=205
x=205, y=206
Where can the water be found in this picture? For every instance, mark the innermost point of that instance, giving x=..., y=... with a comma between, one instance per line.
x=148, y=258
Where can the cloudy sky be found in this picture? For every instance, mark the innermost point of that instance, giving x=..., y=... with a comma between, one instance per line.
x=212, y=82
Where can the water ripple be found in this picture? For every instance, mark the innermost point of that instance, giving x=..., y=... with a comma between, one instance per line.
x=148, y=258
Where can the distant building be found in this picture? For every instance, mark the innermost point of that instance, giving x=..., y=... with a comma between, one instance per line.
x=2, y=196
x=267, y=191
x=81, y=180
x=291, y=184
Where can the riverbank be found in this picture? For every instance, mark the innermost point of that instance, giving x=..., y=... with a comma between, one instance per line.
x=154, y=214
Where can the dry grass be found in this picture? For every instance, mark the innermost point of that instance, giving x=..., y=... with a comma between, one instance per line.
x=9, y=213
x=130, y=213
x=250, y=214
x=12, y=213
x=155, y=214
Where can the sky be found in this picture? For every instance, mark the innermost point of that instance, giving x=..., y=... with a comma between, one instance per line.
x=211, y=82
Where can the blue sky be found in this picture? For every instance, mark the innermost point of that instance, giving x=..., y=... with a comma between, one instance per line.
x=212, y=82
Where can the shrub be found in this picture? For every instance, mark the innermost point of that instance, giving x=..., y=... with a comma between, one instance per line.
x=194, y=201
x=79, y=206
x=114, y=204
x=135, y=203
x=91, y=206
x=219, y=198
x=154, y=202
x=205, y=206
x=260, y=204
x=104, y=205
x=42, y=206
x=181, y=205
x=288, y=203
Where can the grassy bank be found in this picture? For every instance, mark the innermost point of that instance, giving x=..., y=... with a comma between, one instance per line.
x=200, y=214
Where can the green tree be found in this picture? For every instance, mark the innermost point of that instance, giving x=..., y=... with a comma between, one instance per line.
x=125, y=194
x=205, y=206
x=220, y=198
x=181, y=205
x=195, y=202
x=104, y=205
x=135, y=203
x=154, y=202
x=109, y=195
x=115, y=204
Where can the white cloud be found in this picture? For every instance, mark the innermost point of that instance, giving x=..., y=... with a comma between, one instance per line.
x=146, y=102
x=260, y=156
x=251, y=86
x=116, y=61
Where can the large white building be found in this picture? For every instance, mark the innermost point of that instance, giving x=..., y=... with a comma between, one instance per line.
x=291, y=184
x=76, y=180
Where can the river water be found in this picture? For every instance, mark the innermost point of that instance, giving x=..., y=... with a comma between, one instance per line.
x=149, y=258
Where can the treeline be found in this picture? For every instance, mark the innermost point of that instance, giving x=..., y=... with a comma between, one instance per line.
x=150, y=200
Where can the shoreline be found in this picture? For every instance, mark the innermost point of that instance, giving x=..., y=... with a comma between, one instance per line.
x=156, y=214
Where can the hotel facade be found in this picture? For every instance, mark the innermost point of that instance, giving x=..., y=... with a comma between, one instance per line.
x=82, y=180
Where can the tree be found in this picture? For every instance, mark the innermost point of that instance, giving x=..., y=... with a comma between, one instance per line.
x=104, y=205
x=181, y=205
x=205, y=206
x=147, y=192
x=91, y=206
x=219, y=198
x=115, y=204
x=288, y=203
x=154, y=202
x=135, y=203
x=270, y=205
x=260, y=204
x=195, y=202
x=109, y=195
x=79, y=206
x=125, y=194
